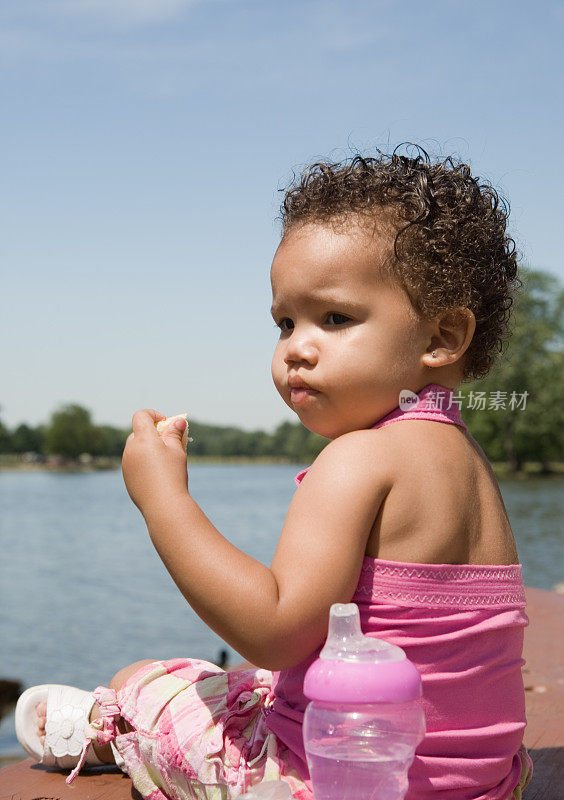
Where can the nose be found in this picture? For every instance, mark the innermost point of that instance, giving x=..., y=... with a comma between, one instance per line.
x=300, y=348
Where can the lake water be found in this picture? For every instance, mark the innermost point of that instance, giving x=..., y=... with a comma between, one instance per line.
x=83, y=592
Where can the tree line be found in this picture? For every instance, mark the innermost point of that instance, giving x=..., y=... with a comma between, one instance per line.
x=71, y=433
x=516, y=414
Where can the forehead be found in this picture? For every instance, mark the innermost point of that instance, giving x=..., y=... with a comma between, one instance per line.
x=316, y=257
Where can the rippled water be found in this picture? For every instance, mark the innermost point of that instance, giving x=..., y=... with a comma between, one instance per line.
x=83, y=592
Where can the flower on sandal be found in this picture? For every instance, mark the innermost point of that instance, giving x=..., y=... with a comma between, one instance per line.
x=64, y=730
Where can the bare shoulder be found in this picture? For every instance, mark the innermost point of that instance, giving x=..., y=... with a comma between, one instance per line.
x=358, y=460
x=436, y=446
x=413, y=450
x=349, y=480
x=445, y=505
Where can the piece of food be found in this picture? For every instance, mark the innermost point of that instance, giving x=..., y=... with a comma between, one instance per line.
x=164, y=423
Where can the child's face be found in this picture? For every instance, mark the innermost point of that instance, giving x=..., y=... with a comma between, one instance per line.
x=354, y=339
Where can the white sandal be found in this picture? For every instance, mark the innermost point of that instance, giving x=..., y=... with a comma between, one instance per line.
x=68, y=732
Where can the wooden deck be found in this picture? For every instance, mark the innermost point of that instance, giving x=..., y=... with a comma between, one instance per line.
x=544, y=736
x=543, y=675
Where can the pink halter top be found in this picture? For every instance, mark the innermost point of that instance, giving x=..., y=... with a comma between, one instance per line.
x=462, y=626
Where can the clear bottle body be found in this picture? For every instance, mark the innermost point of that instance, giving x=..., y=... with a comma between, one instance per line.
x=361, y=751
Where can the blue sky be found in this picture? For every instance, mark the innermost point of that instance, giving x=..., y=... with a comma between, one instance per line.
x=144, y=143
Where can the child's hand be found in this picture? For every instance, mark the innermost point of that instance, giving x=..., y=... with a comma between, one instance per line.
x=154, y=466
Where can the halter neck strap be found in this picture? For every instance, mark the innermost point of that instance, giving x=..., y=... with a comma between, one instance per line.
x=434, y=402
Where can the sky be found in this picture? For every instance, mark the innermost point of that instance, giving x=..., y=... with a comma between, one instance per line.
x=144, y=147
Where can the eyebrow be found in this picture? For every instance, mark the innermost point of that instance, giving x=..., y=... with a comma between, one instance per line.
x=346, y=305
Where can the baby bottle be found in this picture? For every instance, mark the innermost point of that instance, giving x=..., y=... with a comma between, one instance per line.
x=364, y=722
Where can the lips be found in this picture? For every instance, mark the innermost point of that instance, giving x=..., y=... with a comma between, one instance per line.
x=300, y=391
x=297, y=383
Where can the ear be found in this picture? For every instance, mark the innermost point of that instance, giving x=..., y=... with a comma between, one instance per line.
x=451, y=337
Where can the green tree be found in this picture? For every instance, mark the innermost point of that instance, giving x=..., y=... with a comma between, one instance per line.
x=532, y=368
x=71, y=432
x=5, y=438
x=295, y=442
x=108, y=441
x=313, y=446
x=26, y=439
x=260, y=444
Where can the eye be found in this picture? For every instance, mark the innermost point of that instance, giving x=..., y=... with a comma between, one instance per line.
x=281, y=324
x=340, y=319
x=337, y=321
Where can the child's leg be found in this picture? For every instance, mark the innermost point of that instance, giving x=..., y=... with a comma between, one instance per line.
x=103, y=751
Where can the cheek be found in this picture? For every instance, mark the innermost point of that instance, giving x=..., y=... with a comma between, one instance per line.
x=276, y=367
x=363, y=349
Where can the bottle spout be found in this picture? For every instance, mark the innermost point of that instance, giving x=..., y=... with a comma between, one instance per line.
x=344, y=625
x=346, y=641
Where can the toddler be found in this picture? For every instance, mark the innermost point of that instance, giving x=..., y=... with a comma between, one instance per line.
x=392, y=285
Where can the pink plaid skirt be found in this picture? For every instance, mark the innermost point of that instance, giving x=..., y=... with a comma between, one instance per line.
x=200, y=734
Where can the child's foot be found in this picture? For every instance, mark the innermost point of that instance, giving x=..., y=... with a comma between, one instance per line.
x=104, y=753
x=52, y=726
x=41, y=710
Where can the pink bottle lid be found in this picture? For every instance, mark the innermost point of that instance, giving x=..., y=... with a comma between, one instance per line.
x=354, y=668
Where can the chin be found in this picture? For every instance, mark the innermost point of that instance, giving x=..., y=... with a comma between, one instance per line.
x=320, y=429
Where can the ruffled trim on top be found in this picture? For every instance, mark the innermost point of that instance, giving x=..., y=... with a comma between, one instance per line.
x=451, y=585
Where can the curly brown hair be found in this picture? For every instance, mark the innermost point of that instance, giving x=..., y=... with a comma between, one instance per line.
x=451, y=248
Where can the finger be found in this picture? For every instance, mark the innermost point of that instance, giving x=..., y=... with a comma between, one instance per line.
x=145, y=420
x=174, y=431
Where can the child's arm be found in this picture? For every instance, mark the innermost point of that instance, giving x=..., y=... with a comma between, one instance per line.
x=275, y=617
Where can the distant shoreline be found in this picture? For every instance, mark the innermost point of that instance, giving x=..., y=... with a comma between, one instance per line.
x=17, y=463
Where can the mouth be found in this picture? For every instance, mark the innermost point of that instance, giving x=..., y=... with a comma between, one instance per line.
x=298, y=396
x=295, y=382
x=300, y=391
